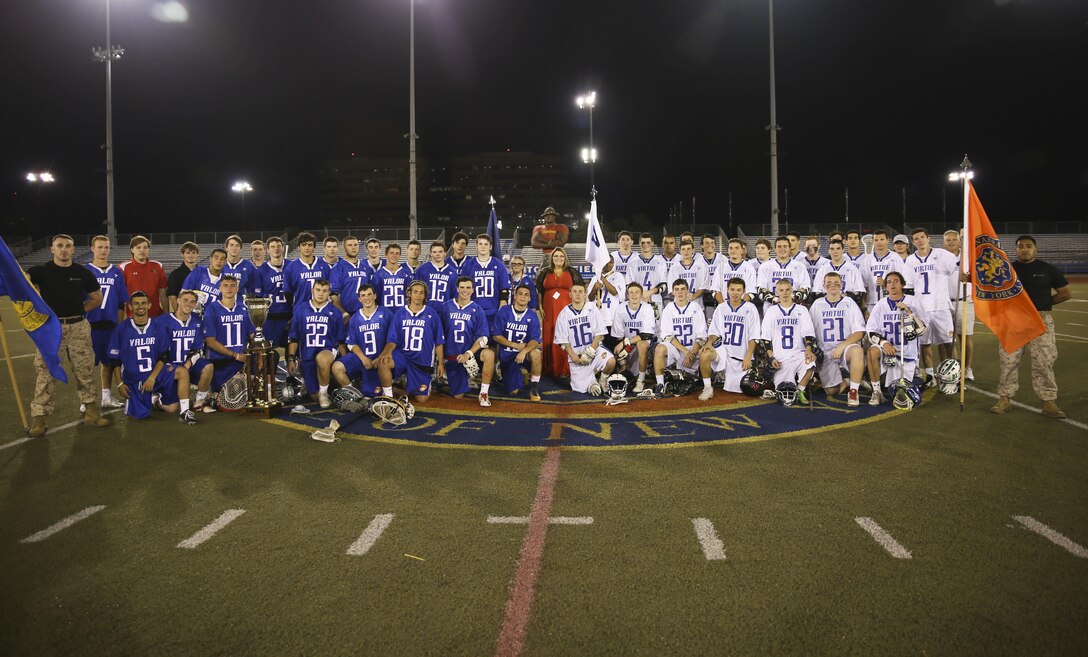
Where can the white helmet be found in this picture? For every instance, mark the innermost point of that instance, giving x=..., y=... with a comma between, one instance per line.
x=948, y=376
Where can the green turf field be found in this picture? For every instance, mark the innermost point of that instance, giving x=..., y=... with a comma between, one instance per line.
x=786, y=567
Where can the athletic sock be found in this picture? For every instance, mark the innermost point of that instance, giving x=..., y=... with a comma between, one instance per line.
x=707, y=383
x=534, y=378
x=642, y=376
x=388, y=392
x=184, y=402
x=660, y=378
x=484, y=387
x=323, y=390
x=855, y=386
x=201, y=396
x=105, y=394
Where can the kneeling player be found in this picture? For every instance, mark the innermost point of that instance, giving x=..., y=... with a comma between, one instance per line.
x=366, y=335
x=786, y=325
x=318, y=326
x=734, y=329
x=142, y=349
x=413, y=346
x=516, y=330
x=841, y=330
x=682, y=335
x=893, y=355
x=227, y=329
x=186, y=334
x=579, y=330
x=633, y=329
x=466, y=328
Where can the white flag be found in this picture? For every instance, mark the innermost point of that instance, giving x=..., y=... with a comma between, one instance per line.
x=596, y=248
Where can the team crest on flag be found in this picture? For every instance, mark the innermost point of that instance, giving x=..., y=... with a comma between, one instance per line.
x=994, y=274
x=31, y=319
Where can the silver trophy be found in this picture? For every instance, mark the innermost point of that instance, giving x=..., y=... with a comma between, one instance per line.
x=261, y=361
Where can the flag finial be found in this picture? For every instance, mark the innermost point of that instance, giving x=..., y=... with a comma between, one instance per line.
x=966, y=164
x=593, y=191
x=492, y=201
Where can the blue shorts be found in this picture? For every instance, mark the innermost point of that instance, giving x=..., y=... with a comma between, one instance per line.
x=511, y=370
x=419, y=377
x=369, y=384
x=138, y=405
x=275, y=330
x=457, y=376
x=100, y=340
x=197, y=368
x=309, y=376
x=224, y=369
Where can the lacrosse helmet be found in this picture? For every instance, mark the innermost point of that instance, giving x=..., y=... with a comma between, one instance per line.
x=617, y=387
x=906, y=396
x=787, y=393
x=752, y=383
x=948, y=376
x=348, y=398
x=291, y=391
x=913, y=328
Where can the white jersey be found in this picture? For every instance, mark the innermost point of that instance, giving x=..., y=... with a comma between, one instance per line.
x=955, y=288
x=727, y=271
x=686, y=324
x=670, y=268
x=857, y=260
x=696, y=277
x=773, y=271
x=736, y=327
x=886, y=320
x=647, y=273
x=756, y=263
x=712, y=266
x=834, y=322
x=874, y=267
x=931, y=275
x=578, y=328
x=851, y=278
x=627, y=323
x=609, y=302
x=622, y=262
x=813, y=266
x=787, y=329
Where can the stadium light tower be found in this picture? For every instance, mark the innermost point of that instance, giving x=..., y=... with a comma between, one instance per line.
x=773, y=128
x=41, y=177
x=413, y=226
x=242, y=187
x=108, y=54
x=589, y=155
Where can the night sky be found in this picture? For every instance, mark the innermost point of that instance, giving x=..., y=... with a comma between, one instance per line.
x=872, y=95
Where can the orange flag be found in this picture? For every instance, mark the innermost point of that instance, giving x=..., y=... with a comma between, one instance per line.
x=1000, y=300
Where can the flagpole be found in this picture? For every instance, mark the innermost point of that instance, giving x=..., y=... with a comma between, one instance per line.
x=968, y=241
x=11, y=373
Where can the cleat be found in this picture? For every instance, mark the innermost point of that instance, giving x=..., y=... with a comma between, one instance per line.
x=802, y=396
x=969, y=375
x=876, y=399
x=1050, y=409
x=111, y=402
x=485, y=400
x=203, y=407
x=323, y=400
x=852, y=398
x=1002, y=406
x=640, y=385
x=188, y=418
x=659, y=390
x=706, y=394
x=156, y=401
x=931, y=381
x=534, y=392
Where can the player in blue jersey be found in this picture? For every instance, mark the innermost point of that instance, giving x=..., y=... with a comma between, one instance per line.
x=413, y=346
x=301, y=273
x=269, y=282
x=348, y=276
x=237, y=266
x=439, y=276
x=186, y=332
x=227, y=329
x=204, y=280
x=314, y=341
x=142, y=349
x=490, y=277
x=104, y=318
x=412, y=251
x=365, y=340
x=392, y=279
x=519, y=277
x=516, y=330
x=466, y=328
x=458, y=256
x=374, y=259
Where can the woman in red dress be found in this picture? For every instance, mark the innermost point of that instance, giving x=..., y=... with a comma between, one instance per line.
x=553, y=284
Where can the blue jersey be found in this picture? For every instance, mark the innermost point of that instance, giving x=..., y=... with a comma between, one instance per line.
x=268, y=281
x=490, y=279
x=136, y=348
x=416, y=334
x=111, y=281
x=372, y=268
x=230, y=326
x=441, y=283
x=391, y=286
x=459, y=267
x=463, y=326
x=206, y=286
x=520, y=327
x=534, y=299
x=316, y=329
x=369, y=333
x=184, y=337
x=346, y=281
x=244, y=271
x=299, y=279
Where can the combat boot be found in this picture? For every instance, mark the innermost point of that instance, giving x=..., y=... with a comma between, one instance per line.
x=1050, y=409
x=92, y=418
x=37, y=426
x=1002, y=406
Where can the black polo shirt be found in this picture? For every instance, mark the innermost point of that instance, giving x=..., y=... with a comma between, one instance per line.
x=1039, y=279
x=177, y=279
x=64, y=289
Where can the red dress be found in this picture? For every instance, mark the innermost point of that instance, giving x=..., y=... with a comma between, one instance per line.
x=555, y=298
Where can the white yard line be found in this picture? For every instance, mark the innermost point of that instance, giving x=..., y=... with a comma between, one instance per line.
x=892, y=546
x=370, y=535
x=1066, y=310
x=524, y=520
x=1078, y=338
x=1055, y=537
x=228, y=516
x=713, y=548
x=63, y=524
x=55, y=429
x=1073, y=324
x=1079, y=425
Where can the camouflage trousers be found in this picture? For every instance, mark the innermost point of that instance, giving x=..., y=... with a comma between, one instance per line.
x=75, y=341
x=1044, y=352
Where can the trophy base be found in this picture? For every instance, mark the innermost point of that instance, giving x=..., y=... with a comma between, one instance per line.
x=263, y=410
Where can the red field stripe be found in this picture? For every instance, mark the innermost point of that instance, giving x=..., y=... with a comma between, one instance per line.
x=519, y=606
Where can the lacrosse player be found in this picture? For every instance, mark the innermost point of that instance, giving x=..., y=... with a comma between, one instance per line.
x=839, y=334
x=466, y=328
x=888, y=337
x=787, y=325
x=516, y=330
x=733, y=332
x=365, y=337
x=579, y=329
x=680, y=338
x=314, y=341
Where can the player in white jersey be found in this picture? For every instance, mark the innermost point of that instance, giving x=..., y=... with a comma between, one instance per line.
x=579, y=330
x=681, y=336
x=669, y=257
x=811, y=258
x=731, y=340
x=839, y=330
x=786, y=325
x=875, y=265
x=763, y=251
x=692, y=270
x=624, y=254
x=634, y=327
x=648, y=270
x=854, y=250
x=886, y=337
x=853, y=285
x=606, y=290
x=781, y=267
x=958, y=290
x=933, y=269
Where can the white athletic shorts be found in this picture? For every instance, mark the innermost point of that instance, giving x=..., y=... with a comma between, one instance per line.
x=676, y=359
x=793, y=367
x=891, y=373
x=583, y=376
x=940, y=327
x=732, y=368
x=831, y=369
x=957, y=318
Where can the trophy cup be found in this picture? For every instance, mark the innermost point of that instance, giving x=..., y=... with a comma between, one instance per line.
x=260, y=365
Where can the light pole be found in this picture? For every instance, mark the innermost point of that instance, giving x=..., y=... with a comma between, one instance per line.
x=242, y=187
x=412, y=136
x=108, y=54
x=589, y=155
x=774, y=128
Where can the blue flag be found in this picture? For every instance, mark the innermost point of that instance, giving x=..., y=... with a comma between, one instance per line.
x=38, y=319
x=493, y=233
